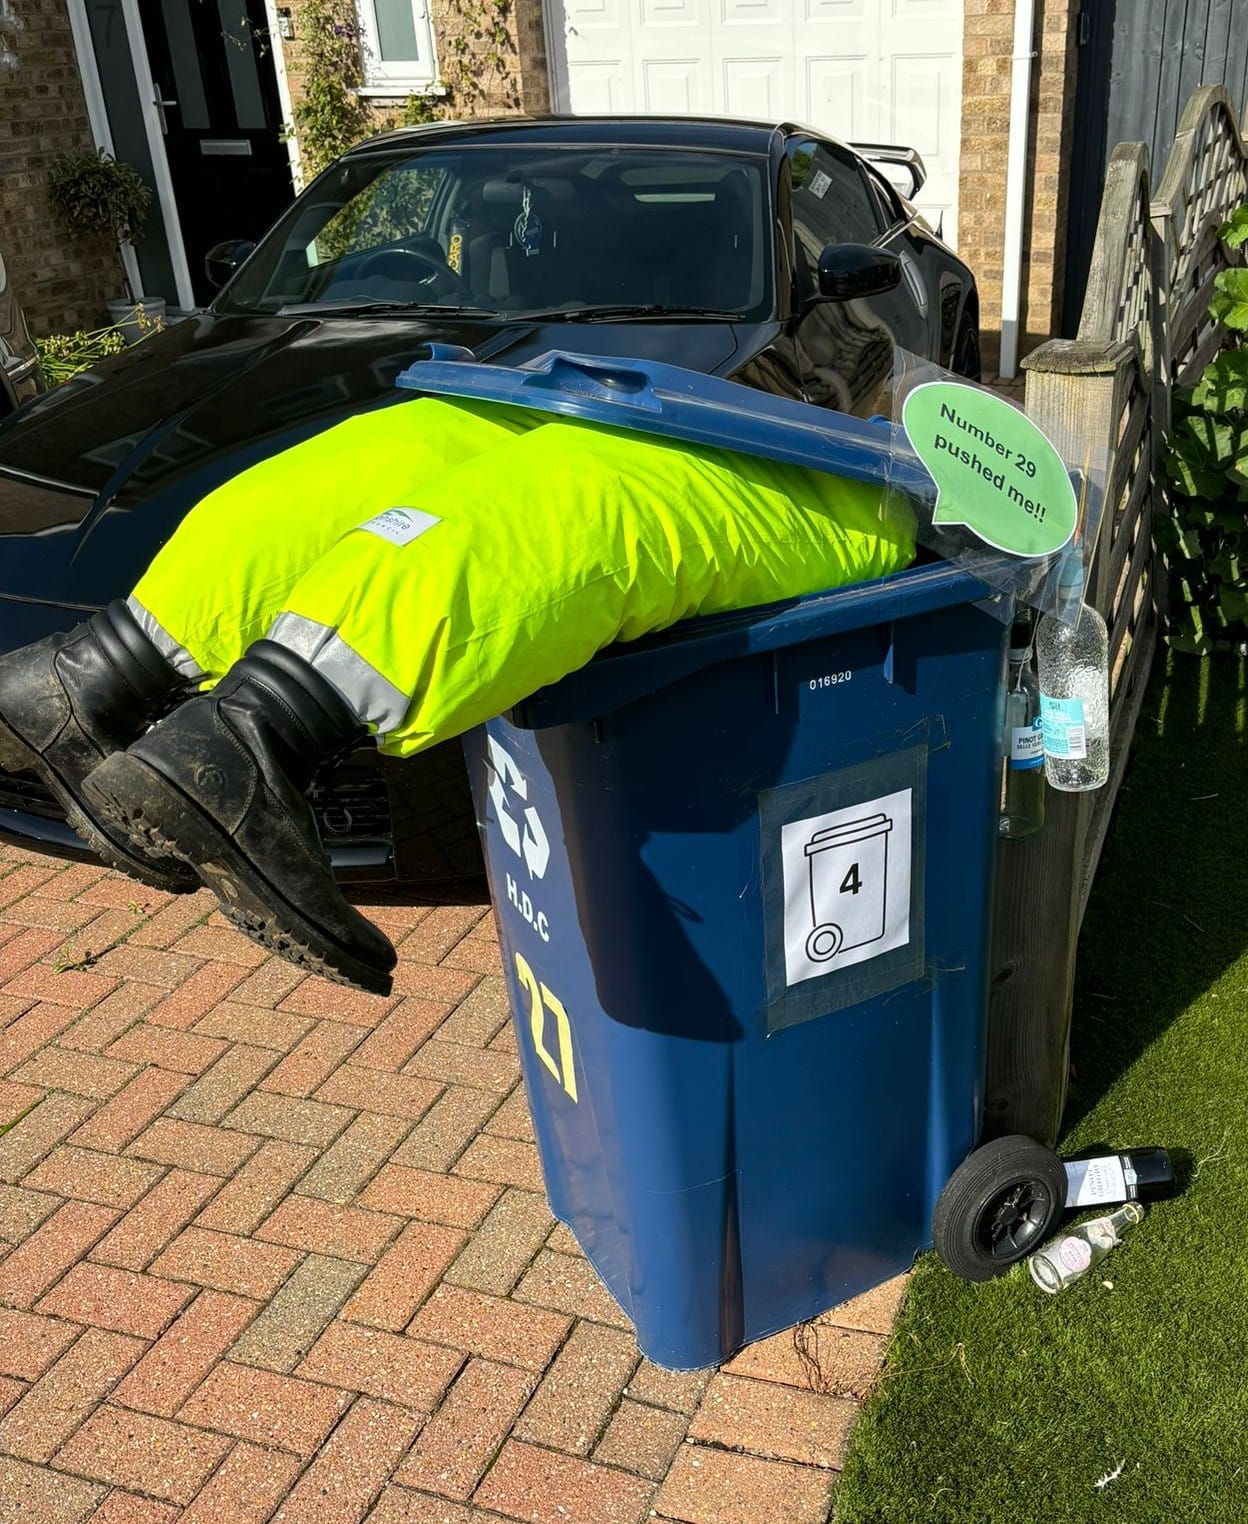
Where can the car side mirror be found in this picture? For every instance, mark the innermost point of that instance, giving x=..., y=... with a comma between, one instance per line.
x=850, y=270
x=223, y=259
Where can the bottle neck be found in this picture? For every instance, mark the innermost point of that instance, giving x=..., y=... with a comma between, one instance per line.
x=1125, y=1217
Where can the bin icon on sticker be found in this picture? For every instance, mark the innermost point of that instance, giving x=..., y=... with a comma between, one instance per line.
x=848, y=886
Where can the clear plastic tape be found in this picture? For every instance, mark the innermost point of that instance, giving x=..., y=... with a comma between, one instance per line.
x=1048, y=580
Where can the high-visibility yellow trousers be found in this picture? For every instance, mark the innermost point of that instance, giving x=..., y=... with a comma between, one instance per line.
x=439, y=561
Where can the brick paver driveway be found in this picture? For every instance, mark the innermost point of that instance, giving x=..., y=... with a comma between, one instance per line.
x=272, y=1249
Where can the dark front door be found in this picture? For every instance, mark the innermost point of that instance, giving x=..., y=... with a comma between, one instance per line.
x=212, y=63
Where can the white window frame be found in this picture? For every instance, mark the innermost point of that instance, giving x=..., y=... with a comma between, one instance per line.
x=396, y=75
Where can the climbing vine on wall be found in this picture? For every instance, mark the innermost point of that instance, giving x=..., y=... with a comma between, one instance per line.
x=478, y=67
x=330, y=118
x=479, y=55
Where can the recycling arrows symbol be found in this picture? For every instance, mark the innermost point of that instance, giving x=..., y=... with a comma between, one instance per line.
x=525, y=836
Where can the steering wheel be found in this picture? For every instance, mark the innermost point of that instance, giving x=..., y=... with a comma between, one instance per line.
x=441, y=279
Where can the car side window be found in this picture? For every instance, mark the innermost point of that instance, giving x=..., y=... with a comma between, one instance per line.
x=389, y=209
x=831, y=203
x=886, y=199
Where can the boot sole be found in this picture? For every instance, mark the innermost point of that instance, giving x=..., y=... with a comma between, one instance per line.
x=17, y=757
x=143, y=801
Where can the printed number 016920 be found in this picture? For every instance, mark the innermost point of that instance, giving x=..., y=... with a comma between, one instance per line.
x=829, y=680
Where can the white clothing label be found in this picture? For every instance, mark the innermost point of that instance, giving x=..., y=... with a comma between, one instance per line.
x=400, y=525
x=1092, y=1182
x=846, y=886
x=818, y=184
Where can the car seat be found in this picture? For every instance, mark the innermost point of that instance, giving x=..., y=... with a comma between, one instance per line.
x=499, y=269
x=683, y=254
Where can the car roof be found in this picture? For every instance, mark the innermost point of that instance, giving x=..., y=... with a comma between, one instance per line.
x=735, y=135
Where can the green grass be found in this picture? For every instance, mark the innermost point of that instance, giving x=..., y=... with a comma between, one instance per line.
x=1001, y=1405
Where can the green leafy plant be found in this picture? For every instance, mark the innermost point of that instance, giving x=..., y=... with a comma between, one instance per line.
x=1205, y=536
x=94, y=193
x=419, y=110
x=331, y=117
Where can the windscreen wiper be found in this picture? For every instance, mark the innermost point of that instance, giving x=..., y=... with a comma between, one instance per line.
x=382, y=309
x=625, y=313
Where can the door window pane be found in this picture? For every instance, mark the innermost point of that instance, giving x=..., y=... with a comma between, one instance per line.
x=240, y=57
x=187, y=79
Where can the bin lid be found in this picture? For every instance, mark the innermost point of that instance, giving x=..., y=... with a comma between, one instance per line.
x=846, y=834
x=676, y=403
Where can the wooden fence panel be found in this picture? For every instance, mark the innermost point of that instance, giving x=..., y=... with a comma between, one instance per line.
x=1145, y=324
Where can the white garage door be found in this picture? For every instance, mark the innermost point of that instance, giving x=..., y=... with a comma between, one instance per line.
x=866, y=70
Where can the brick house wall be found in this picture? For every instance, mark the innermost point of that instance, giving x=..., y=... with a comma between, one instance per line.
x=987, y=64
x=63, y=283
x=521, y=84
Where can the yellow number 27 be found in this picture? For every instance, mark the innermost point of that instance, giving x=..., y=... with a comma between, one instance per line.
x=540, y=1001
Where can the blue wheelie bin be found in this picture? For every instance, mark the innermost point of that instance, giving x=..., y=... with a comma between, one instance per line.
x=743, y=877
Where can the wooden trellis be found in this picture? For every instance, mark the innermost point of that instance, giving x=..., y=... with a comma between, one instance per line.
x=1145, y=324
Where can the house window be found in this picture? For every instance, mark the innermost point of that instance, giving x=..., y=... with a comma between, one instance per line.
x=396, y=43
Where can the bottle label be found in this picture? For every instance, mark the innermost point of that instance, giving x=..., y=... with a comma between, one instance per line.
x=1065, y=734
x=1075, y=1255
x=1027, y=745
x=1092, y=1182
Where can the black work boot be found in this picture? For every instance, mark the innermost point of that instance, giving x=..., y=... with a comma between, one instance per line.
x=221, y=784
x=71, y=700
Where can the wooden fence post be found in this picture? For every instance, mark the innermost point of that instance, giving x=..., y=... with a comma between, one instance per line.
x=1078, y=396
x=1145, y=322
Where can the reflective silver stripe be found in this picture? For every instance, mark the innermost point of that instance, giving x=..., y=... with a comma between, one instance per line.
x=373, y=698
x=178, y=657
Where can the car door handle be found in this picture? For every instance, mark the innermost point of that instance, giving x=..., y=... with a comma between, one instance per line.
x=160, y=103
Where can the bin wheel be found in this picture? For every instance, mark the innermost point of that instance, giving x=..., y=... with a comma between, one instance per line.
x=824, y=942
x=998, y=1206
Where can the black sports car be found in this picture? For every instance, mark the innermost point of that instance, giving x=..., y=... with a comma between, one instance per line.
x=768, y=254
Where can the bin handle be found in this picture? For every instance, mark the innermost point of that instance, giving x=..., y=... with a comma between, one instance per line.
x=608, y=380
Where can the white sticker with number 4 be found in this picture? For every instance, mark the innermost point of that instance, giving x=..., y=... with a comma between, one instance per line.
x=846, y=886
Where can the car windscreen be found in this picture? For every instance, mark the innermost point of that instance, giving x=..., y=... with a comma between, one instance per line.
x=515, y=230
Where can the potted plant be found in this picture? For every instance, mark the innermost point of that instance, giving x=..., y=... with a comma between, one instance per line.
x=93, y=193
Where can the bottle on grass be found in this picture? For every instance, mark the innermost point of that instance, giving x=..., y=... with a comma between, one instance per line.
x=1068, y=1257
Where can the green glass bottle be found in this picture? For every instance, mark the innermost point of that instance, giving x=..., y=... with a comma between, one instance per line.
x=1022, y=800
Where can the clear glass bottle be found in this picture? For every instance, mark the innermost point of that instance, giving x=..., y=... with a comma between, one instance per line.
x=1072, y=1254
x=1022, y=800
x=1073, y=663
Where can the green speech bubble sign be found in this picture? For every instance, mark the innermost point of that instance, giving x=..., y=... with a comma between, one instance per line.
x=995, y=472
